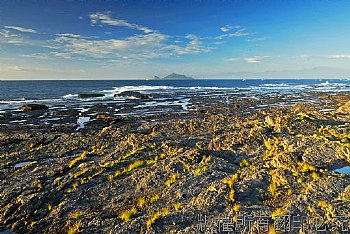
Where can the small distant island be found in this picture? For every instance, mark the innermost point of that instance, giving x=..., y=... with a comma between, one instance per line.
x=173, y=76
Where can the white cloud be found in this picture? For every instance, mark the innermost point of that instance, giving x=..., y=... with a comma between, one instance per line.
x=194, y=46
x=11, y=68
x=146, y=44
x=256, y=39
x=35, y=55
x=227, y=28
x=8, y=71
x=15, y=42
x=339, y=56
x=5, y=33
x=254, y=59
x=21, y=29
x=103, y=18
x=7, y=37
x=233, y=59
x=304, y=56
x=137, y=47
x=239, y=32
x=68, y=35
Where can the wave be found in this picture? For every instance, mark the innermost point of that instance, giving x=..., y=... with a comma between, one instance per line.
x=76, y=97
x=24, y=101
x=70, y=96
x=209, y=88
x=138, y=88
x=329, y=84
x=275, y=85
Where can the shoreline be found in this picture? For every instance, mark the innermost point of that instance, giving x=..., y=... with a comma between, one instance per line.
x=149, y=174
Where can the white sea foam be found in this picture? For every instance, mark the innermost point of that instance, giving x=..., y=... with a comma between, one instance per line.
x=70, y=96
x=275, y=85
x=251, y=90
x=183, y=103
x=208, y=88
x=138, y=88
x=24, y=101
x=282, y=86
x=329, y=84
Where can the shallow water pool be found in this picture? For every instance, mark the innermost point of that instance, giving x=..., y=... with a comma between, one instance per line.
x=343, y=170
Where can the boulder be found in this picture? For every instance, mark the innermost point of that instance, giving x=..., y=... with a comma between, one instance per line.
x=31, y=107
x=90, y=95
x=106, y=118
x=132, y=94
x=70, y=112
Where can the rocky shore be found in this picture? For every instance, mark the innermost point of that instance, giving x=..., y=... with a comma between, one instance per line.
x=206, y=169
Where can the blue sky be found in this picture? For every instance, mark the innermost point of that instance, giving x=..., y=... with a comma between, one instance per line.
x=204, y=39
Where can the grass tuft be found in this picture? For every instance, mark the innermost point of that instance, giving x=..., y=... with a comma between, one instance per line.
x=77, y=159
x=128, y=214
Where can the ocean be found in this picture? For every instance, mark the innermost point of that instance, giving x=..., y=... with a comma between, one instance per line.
x=64, y=94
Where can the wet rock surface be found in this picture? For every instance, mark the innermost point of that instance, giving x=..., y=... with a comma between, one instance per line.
x=32, y=107
x=134, y=94
x=90, y=95
x=159, y=173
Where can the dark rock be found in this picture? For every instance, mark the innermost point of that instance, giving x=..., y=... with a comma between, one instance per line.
x=7, y=114
x=7, y=231
x=71, y=112
x=96, y=124
x=100, y=108
x=144, y=131
x=132, y=94
x=31, y=107
x=90, y=95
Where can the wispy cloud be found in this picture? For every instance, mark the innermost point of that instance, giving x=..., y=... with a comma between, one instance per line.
x=194, y=46
x=17, y=70
x=11, y=68
x=8, y=37
x=227, y=28
x=254, y=39
x=140, y=47
x=254, y=59
x=304, y=56
x=21, y=29
x=237, y=31
x=144, y=45
x=68, y=35
x=339, y=56
x=103, y=18
x=12, y=35
x=5, y=33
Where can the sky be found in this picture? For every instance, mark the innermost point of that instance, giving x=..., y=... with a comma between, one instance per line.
x=107, y=39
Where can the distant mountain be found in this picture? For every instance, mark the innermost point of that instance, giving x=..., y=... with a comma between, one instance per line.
x=174, y=76
x=323, y=72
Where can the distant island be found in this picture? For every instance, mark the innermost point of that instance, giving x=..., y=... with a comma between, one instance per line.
x=174, y=76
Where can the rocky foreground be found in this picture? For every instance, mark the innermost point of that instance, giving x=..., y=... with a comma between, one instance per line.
x=217, y=169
